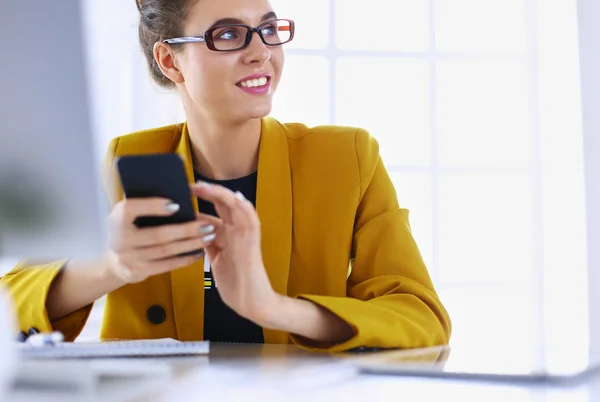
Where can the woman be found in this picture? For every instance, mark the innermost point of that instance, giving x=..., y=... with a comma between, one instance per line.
x=326, y=260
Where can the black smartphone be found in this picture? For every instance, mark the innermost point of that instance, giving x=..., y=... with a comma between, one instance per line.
x=157, y=175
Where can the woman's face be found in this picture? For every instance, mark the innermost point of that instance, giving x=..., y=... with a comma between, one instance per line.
x=217, y=82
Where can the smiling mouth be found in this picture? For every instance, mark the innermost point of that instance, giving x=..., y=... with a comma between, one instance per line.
x=254, y=83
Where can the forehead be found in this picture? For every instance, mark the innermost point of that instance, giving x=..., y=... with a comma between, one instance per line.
x=204, y=13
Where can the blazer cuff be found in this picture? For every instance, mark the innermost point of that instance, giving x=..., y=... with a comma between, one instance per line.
x=344, y=308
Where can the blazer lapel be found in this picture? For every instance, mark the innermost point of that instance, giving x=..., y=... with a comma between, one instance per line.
x=187, y=283
x=274, y=208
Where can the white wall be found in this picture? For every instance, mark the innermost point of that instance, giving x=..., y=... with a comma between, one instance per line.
x=124, y=97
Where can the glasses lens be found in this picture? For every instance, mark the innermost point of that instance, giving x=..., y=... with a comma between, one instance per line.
x=229, y=37
x=277, y=32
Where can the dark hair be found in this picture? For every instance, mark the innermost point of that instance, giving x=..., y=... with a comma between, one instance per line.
x=159, y=20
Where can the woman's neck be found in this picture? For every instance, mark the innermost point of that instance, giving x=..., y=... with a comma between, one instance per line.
x=224, y=151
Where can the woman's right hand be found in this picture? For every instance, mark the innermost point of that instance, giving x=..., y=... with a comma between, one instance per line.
x=138, y=253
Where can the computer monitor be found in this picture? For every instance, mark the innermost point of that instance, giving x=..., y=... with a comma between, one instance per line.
x=589, y=53
x=51, y=202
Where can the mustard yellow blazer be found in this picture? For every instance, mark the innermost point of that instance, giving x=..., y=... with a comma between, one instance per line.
x=325, y=202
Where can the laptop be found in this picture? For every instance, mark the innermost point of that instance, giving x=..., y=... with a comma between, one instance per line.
x=501, y=364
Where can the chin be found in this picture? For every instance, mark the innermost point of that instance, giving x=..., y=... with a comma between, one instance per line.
x=259, y=112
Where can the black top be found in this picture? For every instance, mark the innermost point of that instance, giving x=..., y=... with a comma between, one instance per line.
x=221, y=323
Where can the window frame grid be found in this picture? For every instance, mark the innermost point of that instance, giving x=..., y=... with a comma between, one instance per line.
x=332, y=54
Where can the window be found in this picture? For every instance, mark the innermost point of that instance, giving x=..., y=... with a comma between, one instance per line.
x=449, y=89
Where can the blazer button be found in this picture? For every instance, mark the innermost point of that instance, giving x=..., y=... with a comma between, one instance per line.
x=156, y=315
x=33, y=331
x=22, y=336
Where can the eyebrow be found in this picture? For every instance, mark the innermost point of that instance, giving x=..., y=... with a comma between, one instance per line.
x=226, y=21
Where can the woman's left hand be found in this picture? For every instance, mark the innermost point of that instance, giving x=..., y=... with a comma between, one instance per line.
x=235, y=253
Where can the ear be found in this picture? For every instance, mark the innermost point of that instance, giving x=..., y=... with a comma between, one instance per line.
x=165, y=58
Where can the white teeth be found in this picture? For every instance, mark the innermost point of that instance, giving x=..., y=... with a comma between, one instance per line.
x=257, y=82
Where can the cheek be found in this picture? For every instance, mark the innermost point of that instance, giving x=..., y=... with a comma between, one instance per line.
x=277, y=61
x=205, y=75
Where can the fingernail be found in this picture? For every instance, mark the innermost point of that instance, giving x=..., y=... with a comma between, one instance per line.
x=204, y=183
x=240, y=196
x=204, y=229
x=209, y=238
x=172, y=206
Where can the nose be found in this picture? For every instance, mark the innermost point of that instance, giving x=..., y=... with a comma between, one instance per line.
x=256, y=52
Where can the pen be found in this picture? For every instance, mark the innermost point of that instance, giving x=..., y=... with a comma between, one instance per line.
x=48, y=339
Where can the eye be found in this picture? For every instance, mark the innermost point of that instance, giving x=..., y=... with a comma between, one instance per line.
x=226, y=34
x=269, y=30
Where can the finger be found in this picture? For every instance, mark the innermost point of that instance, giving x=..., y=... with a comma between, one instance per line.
x=242, y=212
x=173, y=249
x=221, y=197
x=213, y=192
x=165, y=234
x=214, y=220
x=243, y=218
x=224, y=212
x=234, y=214
x=249, y=212
x=132, y=208
x=160, y=267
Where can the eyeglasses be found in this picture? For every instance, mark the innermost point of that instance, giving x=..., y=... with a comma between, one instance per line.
x=229, y=38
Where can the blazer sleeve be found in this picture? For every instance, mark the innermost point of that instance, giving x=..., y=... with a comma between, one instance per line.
x=29, y=282
x=391, y=301
x=28, y=285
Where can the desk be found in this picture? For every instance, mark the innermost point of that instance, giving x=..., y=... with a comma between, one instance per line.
x=230, y=370
x=285, y=372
